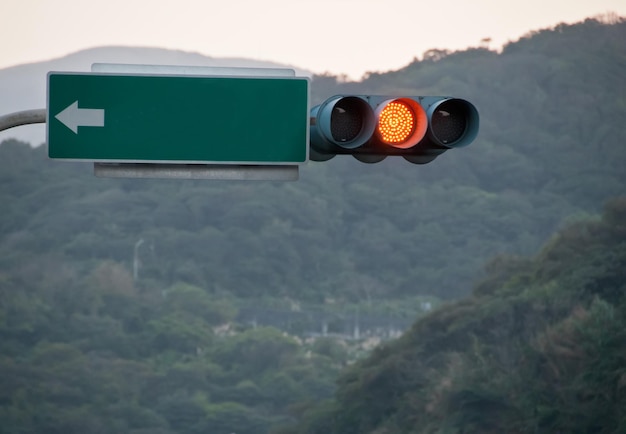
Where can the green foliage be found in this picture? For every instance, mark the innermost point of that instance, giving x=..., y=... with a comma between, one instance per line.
x=538, y=347
x=131, y=362
x=100, y=333
x=255, y=351
x=551, y=105
x=197, y=302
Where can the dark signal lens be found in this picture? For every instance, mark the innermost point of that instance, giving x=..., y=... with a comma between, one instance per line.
x=346, y=120
x=449, y=122
x=453, y=122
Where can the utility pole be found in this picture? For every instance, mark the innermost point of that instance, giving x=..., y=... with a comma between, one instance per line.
x=136, y=262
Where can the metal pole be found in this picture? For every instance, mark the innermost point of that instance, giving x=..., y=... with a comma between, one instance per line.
x=136, y=260
x=37, y=116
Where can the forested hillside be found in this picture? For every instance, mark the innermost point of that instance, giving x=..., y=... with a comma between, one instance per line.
x=549, y=149
x=537, y=348
x=119, y=297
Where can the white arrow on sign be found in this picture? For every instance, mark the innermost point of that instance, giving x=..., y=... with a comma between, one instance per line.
x=74, y=117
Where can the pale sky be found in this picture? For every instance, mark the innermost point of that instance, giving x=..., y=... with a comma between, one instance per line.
x=339, y=36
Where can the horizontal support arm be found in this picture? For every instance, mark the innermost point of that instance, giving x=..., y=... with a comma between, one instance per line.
x=37, y=116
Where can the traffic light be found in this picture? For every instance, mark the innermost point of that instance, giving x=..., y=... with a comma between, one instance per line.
x=372, y=127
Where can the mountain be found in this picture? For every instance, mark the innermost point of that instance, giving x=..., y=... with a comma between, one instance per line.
x=538, y=347
x=23, y=87
x=550, y=150
x=119, y=297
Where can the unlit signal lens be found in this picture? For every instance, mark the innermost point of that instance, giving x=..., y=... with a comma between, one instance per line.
x=453, y=122
x=346, y=120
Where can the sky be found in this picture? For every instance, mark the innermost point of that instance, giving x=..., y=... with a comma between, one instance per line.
x=349, y=37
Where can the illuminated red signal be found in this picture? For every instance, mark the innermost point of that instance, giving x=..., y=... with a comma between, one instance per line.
x=395, y=123
x=402, y=123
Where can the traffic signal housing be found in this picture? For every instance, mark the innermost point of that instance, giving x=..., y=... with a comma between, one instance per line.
x=372, y=127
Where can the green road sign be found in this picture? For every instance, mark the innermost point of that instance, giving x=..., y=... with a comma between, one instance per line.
x=177, y=119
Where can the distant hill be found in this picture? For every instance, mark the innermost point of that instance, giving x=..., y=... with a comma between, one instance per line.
x=550, y=149
x=538, y=348
x=111, y=289
x=23, y=87
x=538, y=345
